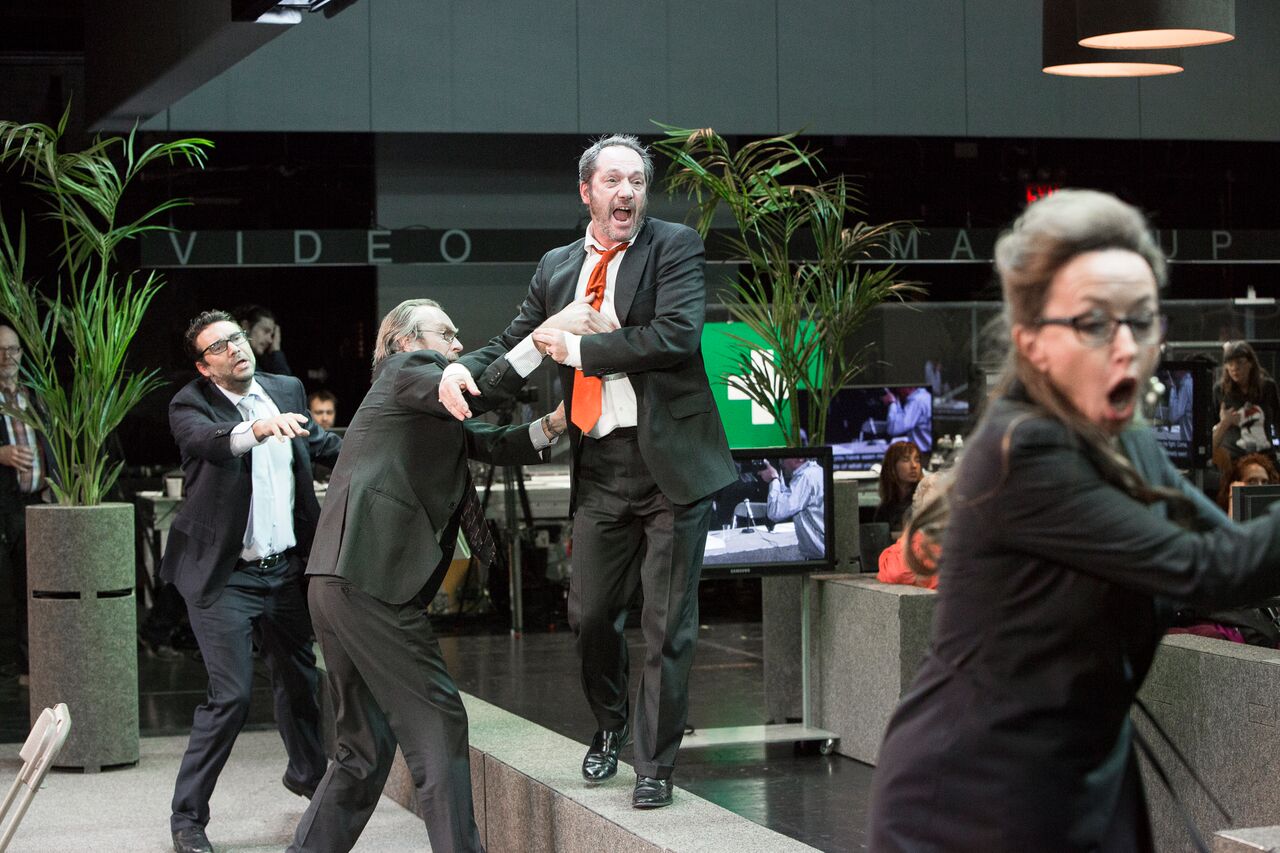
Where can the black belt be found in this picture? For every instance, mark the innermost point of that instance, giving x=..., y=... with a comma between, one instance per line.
x=268, y=562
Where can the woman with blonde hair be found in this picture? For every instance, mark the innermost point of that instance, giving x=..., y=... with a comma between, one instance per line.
x=1056, y=547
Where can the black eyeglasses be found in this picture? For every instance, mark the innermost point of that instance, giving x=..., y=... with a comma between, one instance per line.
x=219, y=346
x=1098, y=328
x=447, y=336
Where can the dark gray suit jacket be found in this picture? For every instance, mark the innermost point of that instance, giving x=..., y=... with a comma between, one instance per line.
x=1046, y=625
x=208, y=531
x=400, y=478
x=660, y=299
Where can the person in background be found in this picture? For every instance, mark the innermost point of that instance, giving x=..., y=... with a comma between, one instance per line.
x=264, y=336
x=801, y=498
x=1180, y=402
x=900, y=472
x=1253, y=469
x=24, y=471
x=910, y=416
x=1058, y=563
x=323, y=407
x=1247, y=403
x=236, y=552
x=893, y=565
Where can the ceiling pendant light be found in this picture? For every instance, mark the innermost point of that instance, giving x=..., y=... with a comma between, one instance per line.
x=1062, y=55
x=1146, y=24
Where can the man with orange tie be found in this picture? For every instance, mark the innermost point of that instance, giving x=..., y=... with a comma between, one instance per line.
x=621, y=312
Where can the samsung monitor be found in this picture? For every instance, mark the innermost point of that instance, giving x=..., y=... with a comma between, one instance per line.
x=1252, y=501
x=758, y=528
x=863, y=420
x=1182, y=418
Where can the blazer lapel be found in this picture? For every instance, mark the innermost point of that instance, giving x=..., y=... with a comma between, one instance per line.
x=563, y=284
x=629, y=271
x=224, y=408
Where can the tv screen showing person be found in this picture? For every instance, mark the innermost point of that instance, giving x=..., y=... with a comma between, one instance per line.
x=863, y=421
x=775, y=512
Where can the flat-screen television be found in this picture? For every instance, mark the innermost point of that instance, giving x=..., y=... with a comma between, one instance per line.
x=762, y=528
x=1183, y=416
x=1252, y=501
x=864, y=420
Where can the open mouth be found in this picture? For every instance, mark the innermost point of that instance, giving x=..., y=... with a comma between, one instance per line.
x=622, y=215
x=1121, y=398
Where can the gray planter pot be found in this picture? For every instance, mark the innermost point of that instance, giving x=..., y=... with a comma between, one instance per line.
x=83, y=628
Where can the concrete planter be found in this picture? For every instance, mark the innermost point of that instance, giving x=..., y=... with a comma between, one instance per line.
x=83, y=628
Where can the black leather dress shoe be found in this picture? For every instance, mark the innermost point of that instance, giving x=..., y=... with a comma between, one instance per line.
x=651, y=793
x=297, y=788
x=601, y=762
x=191, y=840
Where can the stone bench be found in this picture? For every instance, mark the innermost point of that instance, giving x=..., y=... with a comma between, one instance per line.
x=867, y=641
x=1220, y=703
x=1263, y=839
x=530, y=797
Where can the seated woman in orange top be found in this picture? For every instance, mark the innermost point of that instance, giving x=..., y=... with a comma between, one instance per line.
x=893, y=562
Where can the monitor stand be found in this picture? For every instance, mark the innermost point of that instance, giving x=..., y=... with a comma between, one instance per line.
x=798, y=733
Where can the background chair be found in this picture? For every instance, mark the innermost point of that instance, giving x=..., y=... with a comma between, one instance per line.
x=38, y=754
x=873, y=537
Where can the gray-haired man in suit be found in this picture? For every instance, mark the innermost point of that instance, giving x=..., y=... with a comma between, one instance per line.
x=399, y=494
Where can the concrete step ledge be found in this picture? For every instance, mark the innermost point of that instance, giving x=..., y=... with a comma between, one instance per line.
x=530, y=797
x=1263, y=839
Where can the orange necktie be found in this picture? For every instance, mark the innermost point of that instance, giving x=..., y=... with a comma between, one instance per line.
x=588, y=391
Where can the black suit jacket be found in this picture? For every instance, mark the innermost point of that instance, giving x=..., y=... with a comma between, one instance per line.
x=1015, y=734
x=660, y=298
x=400, y=478
x=208, y=532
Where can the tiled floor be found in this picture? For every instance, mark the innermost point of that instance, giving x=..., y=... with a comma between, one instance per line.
x=820, y=800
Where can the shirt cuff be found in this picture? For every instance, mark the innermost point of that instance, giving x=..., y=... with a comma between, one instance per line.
x=524, y=357
x=538, y=436
x=455, y=369
x=242, y=438
x=573, y=343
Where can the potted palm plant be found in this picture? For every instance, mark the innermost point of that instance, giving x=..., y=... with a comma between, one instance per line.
x=76, y=330
x=802, y=292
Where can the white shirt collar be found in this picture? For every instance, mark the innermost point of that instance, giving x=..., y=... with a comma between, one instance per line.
x=593, y=243
x=254, y=388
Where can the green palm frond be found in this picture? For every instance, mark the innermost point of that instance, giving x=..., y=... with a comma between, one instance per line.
x=804, y=310
x=89, y=311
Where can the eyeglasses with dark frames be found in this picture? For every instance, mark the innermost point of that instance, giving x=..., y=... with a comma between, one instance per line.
x=1097, y=328
x=219, y=346
x=447, y=336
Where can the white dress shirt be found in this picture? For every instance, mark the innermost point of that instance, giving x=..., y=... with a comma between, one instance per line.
x=270, y=527
x=618, y=403
x=802, y=500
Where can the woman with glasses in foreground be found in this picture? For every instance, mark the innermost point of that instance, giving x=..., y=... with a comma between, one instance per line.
x=1058, y=551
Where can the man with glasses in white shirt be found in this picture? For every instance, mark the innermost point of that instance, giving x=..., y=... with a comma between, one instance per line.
x=236, y=552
